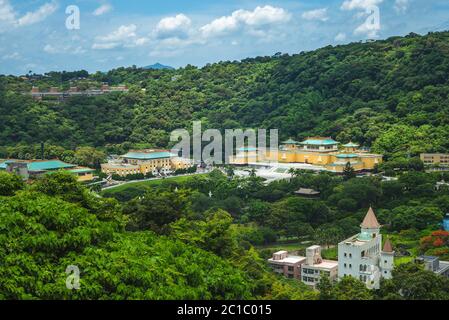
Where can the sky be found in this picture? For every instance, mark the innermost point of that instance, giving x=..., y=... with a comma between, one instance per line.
x=49, y=35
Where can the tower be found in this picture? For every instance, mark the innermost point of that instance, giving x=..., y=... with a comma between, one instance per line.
x=370, y=225
x=387, y=260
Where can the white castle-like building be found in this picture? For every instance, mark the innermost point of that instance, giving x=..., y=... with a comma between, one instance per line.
x=361, y=255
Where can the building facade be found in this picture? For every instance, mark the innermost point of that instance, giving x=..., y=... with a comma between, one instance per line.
x=362, y=257
x=308, y=269
x=149, y=161
x=34, y=168
x=432, y=159
x=434, y=264
x=319, y=151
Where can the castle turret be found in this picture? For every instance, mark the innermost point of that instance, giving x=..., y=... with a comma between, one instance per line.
x=387, y=260
x=370, y=225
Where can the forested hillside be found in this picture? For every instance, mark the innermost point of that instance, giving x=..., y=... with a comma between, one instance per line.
x=391, y=95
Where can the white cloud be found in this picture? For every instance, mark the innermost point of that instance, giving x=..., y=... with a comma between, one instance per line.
x=369, y=28
x=63, y=49
x=9, y=17
x=12, y=56
x=124, y=36
x=7, y=14
x=39, y=15
x=401, y=6
x=105, y=46
x=318, y=14
x=370, y=10
x=121, y=34
x=177, y=26
x=260, y=16
x=105, y=8
x=359, y=4
x=340, y=37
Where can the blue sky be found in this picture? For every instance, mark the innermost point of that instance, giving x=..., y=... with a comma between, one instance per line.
x=113, y=33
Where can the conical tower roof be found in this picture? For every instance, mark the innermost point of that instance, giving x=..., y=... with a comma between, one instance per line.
x=370, y=221
x=387, y=246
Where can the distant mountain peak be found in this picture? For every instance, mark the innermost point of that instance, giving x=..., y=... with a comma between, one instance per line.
x=158, y=66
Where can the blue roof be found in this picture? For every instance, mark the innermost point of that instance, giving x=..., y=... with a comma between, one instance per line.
x=148, y=155
x=364, y=236
x=43, y=165
x=49, y=165
x=327, y=141
x=346, y=155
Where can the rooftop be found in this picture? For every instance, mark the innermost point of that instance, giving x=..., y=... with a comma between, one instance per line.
x=41, y=165
x=388, y=246
x=351, y=145
x=148, y=155
x=370, y=221
x=347, y=155
x=325, y=265
x=319, y=141
x=289, y=260
x=309, y=192
x=290, y=141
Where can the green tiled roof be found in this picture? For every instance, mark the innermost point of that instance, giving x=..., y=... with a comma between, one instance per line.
x=43, y=165
x=148, y=156
x=347, y=156
x=319, y=142
x=364, y=236
x=49, y=165
x=290, y=141
x=351, y=145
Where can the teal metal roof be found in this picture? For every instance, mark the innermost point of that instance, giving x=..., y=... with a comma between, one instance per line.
x=148, y=155
x=43, y=165
x=347, y=156
x=364, y=236
x=49, y=165
x=319, y=142
x=290, y=141
x=351, y=145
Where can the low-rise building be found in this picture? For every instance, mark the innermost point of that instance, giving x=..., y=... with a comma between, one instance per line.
x=433, y=159
x=34, y=168
x=149, y=161
x=308, y=269
x=434, y=264
x=288, y=265
x=318, y=151
x=316, y=267
x=362, y=257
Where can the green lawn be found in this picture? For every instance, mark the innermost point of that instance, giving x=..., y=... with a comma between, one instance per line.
x=139, y=188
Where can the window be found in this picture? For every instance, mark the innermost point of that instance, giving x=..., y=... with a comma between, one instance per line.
x=345, y=265
x=385, y=261
x=350, y=265
x=290, y=269
x=350, y=255
x=346, y=254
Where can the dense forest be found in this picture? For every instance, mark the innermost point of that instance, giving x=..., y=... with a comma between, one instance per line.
x=179, y=244
x=390, y=95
